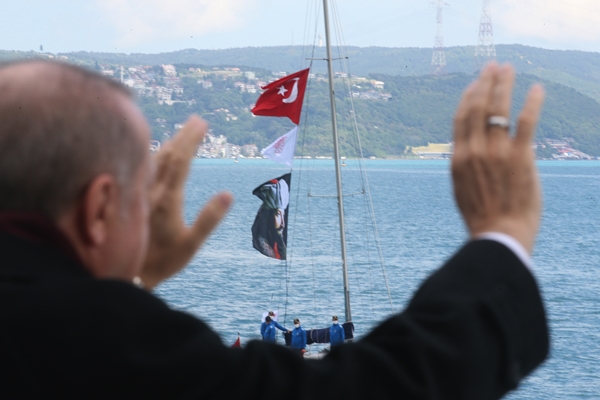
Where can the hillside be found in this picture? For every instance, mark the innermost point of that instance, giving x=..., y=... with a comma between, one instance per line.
x=577, y=69
x=408, y=112
x=413, y=109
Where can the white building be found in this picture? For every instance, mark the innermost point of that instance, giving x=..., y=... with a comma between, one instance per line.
x=169, y=70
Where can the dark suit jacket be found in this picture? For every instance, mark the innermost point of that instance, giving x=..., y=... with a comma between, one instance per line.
x=473, y=330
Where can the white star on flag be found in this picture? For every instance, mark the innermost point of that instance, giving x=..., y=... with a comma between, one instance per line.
x=282, y=150
x=282, y=90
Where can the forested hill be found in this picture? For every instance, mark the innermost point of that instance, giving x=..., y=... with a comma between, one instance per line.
x=428, y=103
x=577, y=69
x=364, y=60
x=419, y=111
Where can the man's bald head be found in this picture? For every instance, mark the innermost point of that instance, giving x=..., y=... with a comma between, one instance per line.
x=61, y=126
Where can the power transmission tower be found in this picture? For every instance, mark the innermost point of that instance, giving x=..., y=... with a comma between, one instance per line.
x=485, y=50
x=438, y=60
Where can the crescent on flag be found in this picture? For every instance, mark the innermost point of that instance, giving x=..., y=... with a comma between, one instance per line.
x=281, y=100
x=294, y=94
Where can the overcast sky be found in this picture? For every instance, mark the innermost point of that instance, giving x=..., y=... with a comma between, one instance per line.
x=153, y=26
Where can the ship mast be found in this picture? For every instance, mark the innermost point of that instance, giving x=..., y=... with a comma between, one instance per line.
x=338, y=170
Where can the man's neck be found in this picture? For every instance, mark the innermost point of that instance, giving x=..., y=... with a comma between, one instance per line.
x=38, y=228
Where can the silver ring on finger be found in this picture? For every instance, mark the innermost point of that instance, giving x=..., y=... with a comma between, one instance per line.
x=498, y=121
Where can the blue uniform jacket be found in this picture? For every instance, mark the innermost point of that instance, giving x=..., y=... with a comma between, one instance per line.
x=298, y=338
x=336, y=334
x=274, y=323
x=269, y=334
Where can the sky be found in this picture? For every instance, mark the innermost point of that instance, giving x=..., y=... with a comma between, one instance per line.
x=155, y=26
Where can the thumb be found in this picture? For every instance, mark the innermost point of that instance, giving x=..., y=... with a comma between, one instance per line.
x=210, y=216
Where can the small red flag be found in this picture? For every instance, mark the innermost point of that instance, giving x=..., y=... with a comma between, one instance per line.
x=237, y=343
x=283, y=98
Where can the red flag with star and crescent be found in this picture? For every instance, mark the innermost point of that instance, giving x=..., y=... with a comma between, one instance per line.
x=283, y=98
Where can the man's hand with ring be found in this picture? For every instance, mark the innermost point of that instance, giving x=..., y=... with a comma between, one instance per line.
x=496, y=185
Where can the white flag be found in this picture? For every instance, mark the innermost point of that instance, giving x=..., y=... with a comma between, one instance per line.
x=282, y=150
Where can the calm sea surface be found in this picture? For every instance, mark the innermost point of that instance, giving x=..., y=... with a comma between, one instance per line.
x=229, y=284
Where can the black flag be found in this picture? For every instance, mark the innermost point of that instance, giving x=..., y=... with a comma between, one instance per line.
x=269, y=231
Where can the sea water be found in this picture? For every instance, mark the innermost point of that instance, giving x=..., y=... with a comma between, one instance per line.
x=229, y=285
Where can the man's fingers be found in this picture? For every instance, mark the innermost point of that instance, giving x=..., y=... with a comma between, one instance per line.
x=470, y=119
x=483, y=95
x=529, y=116
x=183, y=148
x=161, y=159
x=461, y=125
x=501, y=96
x=167, y=175
x=499, y=137
x=162, y=170
x=502, y=93
x=479, y=109
x=187, y=140
x=209, y=218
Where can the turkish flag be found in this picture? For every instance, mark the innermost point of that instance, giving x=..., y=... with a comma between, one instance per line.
x=283, y=98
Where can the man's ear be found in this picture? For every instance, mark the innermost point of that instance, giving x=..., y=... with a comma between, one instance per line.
x=99, y=208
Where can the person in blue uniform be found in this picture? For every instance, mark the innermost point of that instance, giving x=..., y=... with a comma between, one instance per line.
x=274, y=323
x=269, y=331
x=298, y=338
x=336, y=332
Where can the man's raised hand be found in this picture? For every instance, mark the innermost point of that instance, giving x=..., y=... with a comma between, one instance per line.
x=172, y=244
x=496, y=185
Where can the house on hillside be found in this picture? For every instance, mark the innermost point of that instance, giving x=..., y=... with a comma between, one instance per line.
x=169, y=70
x=249, y=150
x=378, y=84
